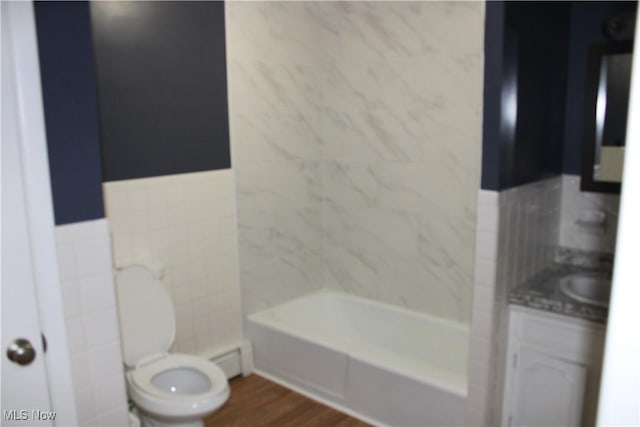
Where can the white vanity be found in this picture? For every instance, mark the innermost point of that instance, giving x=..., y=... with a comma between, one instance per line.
x=552, y=369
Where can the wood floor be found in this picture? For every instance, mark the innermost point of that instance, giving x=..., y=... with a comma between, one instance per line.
x=256, y=401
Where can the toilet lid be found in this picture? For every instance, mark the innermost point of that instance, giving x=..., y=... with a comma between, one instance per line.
x=147, y=318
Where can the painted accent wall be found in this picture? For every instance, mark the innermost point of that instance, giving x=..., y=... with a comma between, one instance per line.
x=494, y=148
x=347, y=121
x=134, y=128
x=525, y=97
x=71, y=111
x=548, y=42
x=162, y=87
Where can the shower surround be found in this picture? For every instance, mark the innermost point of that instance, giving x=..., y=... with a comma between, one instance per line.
x=356, y=140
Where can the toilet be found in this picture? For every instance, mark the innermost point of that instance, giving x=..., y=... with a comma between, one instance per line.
x=168, y=389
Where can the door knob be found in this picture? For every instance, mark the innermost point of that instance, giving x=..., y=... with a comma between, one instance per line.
x=21, y=352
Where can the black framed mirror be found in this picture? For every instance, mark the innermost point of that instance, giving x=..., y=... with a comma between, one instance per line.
x=608, y=79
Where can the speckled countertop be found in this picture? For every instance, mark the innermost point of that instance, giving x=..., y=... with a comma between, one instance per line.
x=542, y=292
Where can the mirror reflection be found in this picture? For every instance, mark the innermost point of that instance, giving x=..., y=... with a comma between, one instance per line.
x=607, y=90
x=611, y=116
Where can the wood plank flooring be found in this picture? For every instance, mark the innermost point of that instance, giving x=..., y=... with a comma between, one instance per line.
x=256, y=401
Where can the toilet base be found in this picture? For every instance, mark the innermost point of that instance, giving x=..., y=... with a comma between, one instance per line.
x=147, y=421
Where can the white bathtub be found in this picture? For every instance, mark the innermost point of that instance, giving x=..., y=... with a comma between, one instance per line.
x=381, y=363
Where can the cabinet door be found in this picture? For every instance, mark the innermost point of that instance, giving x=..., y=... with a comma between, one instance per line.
x=548, y=390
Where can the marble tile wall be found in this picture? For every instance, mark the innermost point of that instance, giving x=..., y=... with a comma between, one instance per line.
x=186, y=224
x=355, y=131
x=574, y=233
x=273, y=61
x=401, y=121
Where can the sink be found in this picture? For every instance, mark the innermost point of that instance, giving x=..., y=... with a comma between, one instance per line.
x=590, y=288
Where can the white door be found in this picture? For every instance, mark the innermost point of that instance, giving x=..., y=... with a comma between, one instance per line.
x=620, y=390
x=549, y=390
x=25, y=390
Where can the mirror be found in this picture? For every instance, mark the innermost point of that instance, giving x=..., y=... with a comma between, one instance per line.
x=609, y=75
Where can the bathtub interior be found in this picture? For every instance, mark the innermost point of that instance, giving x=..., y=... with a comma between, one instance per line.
x=412, y=344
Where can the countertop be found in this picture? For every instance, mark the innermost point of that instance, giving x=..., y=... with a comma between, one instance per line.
x=542, y=292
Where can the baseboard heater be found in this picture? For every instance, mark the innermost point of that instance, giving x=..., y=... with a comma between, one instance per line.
x=233, y=360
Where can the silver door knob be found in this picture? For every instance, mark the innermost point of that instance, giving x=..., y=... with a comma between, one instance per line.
x=21, y=352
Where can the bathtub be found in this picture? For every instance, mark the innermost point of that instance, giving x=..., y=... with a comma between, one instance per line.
x=383, y=364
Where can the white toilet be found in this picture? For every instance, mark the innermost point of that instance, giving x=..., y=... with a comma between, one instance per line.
x=168, y=389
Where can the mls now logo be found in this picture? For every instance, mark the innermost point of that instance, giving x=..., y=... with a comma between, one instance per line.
x=15, y=414
x=23, y=415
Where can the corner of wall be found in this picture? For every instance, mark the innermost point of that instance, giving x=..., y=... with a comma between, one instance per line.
x=483, y=321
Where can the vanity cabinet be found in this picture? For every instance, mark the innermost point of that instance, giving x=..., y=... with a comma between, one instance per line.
x=553, y=369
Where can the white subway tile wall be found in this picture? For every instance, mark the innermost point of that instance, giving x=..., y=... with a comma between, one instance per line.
x=187, y=224
x=482, y=337
x=576, y=203
x=84, y=260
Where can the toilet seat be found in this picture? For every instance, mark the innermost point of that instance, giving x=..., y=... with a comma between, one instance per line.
x=186, y=388
x=142, y=377
x=151, y=398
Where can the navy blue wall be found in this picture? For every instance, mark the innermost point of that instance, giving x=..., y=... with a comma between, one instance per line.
x=68, y=88
x=526, y=46
x=162, y=87
x=491, y=135
x=542, y=29
x=586, y=28
x=163, y=103
x=548, y=42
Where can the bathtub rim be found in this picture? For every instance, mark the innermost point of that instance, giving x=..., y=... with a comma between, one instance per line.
x=392, y=307
x=261, y=319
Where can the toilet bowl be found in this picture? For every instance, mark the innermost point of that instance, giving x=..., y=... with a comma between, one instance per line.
x=169, y=389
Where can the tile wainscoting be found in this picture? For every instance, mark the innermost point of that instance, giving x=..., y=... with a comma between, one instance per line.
x=187, y=224
x=517, y=236
x=86, y=276
x=482, y=336
x=529, y=229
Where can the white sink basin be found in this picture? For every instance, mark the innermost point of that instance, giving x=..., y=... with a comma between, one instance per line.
x=590, y=288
